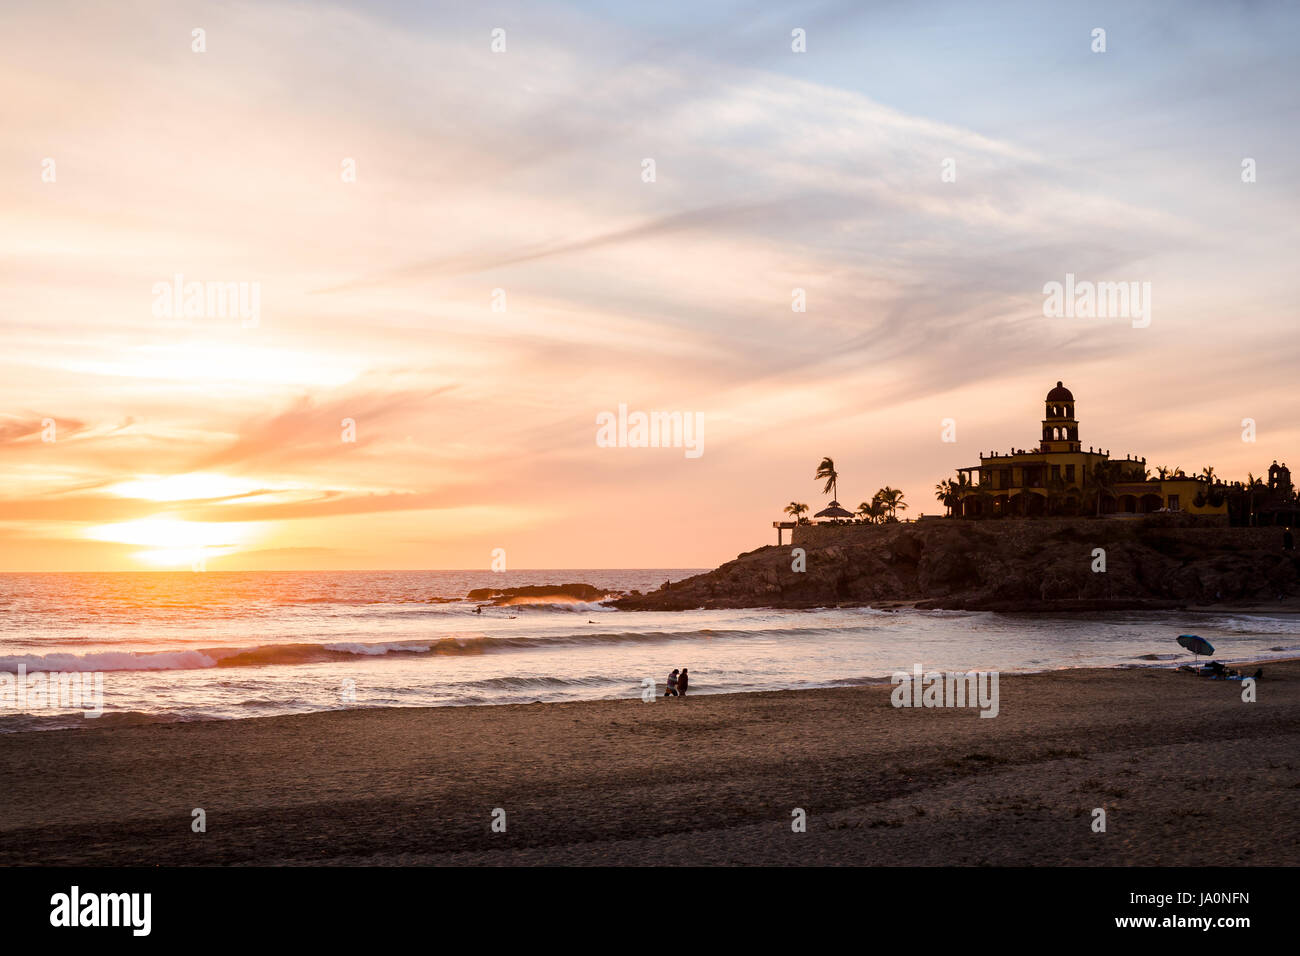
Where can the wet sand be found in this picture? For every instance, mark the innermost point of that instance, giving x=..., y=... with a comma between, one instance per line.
x=1188, y=775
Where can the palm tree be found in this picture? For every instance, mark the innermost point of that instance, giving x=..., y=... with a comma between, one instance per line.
x=1253, y=484
x=794, y=509
x=946, y=491
x=1207, y=474
x=892, y=499
x=1102, y=478
x=1163, y=472
x=827, y=470
x=1055, y=495
x=896, y=502
x=962, y=487
x=873, y=511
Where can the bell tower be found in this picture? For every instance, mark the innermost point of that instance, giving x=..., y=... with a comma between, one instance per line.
x=1060, y=427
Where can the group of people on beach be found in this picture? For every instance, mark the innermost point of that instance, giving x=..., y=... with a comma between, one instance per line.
x=678, y=681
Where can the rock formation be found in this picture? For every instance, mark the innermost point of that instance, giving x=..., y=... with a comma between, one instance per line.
x=1004, y=565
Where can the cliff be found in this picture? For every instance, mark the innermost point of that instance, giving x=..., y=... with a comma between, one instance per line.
x=1044, y=564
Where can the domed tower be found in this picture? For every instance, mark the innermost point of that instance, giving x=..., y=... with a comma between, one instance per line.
x=1279, y=478
x=1060, y=428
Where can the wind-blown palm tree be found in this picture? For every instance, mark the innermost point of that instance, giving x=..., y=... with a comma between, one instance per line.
x=827, y=470
x=794, y=509
x=953, y=491
x=946, y=491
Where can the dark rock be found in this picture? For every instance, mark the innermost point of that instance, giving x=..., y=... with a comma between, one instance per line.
x=998, y=565
x=539, y=592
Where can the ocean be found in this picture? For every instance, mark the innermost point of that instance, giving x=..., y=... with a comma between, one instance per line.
x=227, y=645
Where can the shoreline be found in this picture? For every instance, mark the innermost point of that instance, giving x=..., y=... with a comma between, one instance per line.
x=1188, y=774
x=114, y=720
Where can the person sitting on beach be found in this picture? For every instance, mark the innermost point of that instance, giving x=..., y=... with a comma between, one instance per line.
x=671, y=689
x=682, y=680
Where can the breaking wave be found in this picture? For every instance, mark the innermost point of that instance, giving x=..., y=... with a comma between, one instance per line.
x=262, y=655
x=1257, y=624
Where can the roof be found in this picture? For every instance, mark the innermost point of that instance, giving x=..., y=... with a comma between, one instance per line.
x=1060, y=394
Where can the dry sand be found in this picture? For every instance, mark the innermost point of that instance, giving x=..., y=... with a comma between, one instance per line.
x=1187, y=772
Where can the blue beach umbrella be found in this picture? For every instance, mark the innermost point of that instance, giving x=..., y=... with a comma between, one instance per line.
x=1197, y=645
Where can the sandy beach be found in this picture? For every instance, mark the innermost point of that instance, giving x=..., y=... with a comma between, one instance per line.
x=1187, y=773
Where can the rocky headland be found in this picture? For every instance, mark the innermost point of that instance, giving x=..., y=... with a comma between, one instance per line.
x=1004, y=565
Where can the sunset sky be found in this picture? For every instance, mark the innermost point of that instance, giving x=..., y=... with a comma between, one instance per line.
x=522, y=171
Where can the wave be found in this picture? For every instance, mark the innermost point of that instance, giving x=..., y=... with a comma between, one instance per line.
x=1256, y=624
x=542, y=683
x=443, y=608
x=262, y=655
x=108, y=661
x=567, y=606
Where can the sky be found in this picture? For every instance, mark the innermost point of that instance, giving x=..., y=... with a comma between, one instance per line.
x=459, y=260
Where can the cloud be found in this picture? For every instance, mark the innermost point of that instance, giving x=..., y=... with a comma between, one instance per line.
x=522, y=172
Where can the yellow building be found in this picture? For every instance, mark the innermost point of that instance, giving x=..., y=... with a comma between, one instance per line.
x=1059, y=478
